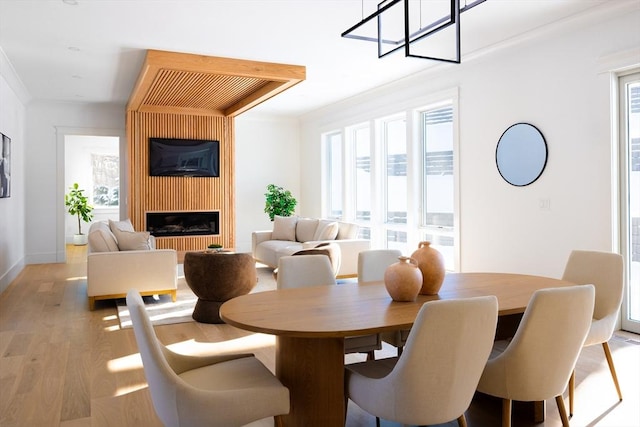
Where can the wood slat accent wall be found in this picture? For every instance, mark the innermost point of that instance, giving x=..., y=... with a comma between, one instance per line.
x=180, y=194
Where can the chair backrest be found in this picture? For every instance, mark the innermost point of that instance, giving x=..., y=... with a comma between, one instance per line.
x=604, y=270
x=304, y=270
x=373, y=263
x=438, y=372
x=161, y=378
x=332, y=250
x=541, y=356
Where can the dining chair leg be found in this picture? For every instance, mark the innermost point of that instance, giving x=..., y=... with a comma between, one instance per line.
x=607, y=354
x=562, y=410
x=278, y=421
x=377, y=421
x=506, y=412
x=572, y=385
x=400, y=348
x=371, y=355
x=462, y=421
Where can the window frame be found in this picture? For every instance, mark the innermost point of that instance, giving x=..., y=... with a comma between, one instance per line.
x=377, y=227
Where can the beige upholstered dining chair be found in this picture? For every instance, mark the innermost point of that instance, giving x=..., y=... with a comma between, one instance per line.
x=304, y=270
x=371, y=267
x=373, y=263
x=332, y=250
x=435, y=378
x=215, y=390
x=313, y=270
x=605, y=271
x=537, y=363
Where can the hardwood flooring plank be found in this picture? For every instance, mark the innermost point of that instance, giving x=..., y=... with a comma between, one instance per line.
x=103, y=383
x=10, y=370
x=76, y=398
x=79, y=422
x=18, y=345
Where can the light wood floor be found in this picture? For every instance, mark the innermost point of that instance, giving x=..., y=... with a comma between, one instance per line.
x=62, y=365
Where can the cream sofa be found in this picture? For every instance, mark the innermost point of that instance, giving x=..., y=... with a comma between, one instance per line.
x=291, y=234
x=120, y=259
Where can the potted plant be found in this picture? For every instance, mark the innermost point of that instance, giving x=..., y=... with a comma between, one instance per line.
x=279, y=201
x=214, y=247
x=78, y=205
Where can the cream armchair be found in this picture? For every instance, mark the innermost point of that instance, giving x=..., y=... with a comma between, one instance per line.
x=111, y=272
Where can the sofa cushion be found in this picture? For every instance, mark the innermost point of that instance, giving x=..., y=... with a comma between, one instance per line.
x=284, y=228
x=132, y=240
x=347, y=230
x=104, y=240
x=121, y=225
x=101, y=240
x=269, y=251
x=306, y=229
x=327, y=230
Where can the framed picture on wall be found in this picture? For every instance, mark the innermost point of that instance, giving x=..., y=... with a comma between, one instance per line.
x=5, y=167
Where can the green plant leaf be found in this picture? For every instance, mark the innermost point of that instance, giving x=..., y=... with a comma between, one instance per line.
x=279, y=201
x=78, y=205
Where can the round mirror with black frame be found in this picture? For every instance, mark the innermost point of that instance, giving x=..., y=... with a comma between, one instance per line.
x=521, y=154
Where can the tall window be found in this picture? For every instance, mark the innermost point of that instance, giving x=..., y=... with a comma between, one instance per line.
x=363, y=176
x=106, y=180
x=438, y=180
x=398, y=180
x=394, y=140
x=334, y=175
x=629, y=95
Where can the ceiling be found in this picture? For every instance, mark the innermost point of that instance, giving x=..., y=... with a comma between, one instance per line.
x=92, y=51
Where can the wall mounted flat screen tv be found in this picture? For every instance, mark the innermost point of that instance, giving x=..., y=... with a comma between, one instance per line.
x=184, y=157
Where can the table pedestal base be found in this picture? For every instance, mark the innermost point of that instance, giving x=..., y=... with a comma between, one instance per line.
x=313, y=369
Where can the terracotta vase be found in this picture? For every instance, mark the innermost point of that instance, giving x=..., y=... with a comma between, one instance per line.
x=431, y=264
x=403, y=279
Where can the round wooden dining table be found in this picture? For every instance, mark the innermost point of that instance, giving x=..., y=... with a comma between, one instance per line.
x=310, y=325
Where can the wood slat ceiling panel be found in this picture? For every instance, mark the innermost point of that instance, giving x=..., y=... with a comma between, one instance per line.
x=181, y=83
x=183, y=89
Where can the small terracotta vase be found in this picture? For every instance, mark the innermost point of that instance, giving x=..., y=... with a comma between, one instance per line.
x=403, y=279
x=431, y=264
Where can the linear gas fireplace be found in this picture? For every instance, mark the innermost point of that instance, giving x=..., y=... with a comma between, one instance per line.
x=165, y=224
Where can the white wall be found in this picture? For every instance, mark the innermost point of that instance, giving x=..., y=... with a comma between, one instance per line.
x=47, y=123
x=267, y=152
x=12, y=209
x=554, y=81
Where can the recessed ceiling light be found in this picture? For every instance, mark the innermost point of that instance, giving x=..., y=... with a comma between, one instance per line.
x=70, y=2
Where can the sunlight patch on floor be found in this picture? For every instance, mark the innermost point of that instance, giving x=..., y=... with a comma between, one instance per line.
x=245, y=344
x=125, y=363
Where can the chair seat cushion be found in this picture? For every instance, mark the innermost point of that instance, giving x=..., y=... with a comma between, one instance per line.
x=373, y=368
x=270, y=250
x=245, y=372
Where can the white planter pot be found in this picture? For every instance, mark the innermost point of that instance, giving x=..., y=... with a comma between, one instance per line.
x=79, y=239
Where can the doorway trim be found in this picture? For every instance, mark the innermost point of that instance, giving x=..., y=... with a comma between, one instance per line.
x=61, y=133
